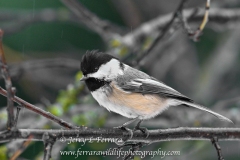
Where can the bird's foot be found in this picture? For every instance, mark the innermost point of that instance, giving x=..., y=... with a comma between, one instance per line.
x=142, y=129
x=127, y=137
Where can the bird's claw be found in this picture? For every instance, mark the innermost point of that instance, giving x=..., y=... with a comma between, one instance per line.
x=127, y=137
x=142, y=129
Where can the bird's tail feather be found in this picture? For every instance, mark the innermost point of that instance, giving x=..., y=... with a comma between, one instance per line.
x=221, y=117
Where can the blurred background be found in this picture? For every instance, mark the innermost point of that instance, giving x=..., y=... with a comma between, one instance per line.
x=45, y=40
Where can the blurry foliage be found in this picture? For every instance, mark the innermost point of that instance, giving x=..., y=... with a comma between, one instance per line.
x=33, y=150
x=118, y=47
x=68, y=97
x=90, y=118
x=3, y=152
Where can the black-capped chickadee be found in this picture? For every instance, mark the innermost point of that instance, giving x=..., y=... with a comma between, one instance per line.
x=128, y=91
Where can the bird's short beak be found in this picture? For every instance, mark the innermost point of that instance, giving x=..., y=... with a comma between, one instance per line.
x=83, y=78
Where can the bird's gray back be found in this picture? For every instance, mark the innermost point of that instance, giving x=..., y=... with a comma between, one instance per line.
x=131, y=74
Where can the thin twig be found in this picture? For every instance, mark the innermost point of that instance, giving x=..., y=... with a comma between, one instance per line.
x=163, y=31
x=17, y=70
x=37, y=110
x=173, y=134
x=184, y=20
x=48, y=144
x=194, y=35
x=47, y=150
x=17, y=115
x=23, y=146
x=214, y=141
x=8, y=84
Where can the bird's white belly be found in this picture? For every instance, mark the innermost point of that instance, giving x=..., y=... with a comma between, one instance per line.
x=103, y=100
x=131, y=105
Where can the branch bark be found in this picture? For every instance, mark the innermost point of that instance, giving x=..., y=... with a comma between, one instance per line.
x=8, y=84
x=48, y=145
x=173, y=134
x=218, y=148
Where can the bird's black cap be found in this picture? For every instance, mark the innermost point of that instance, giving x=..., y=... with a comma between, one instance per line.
x=92, y=60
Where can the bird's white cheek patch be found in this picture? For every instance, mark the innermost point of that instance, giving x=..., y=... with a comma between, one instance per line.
x=99, y=74
x=112, y=68
x=108, y=71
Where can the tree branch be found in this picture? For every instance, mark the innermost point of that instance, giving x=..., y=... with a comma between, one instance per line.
x=181, y=133
x=48, y=144
x=47, y=150
x=220, y=17
x=217, y=147
x=104, y=28
x=8, y=84
x=10, y=96
x=17, y=70
x=195, y=36
x=17, y=115
x=39, y=111
x=163, y=31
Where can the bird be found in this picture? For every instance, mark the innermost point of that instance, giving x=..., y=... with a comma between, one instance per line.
x=130, y=92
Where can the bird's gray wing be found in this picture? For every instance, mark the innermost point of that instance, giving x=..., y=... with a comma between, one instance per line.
x=152, y=86
x=149, y=85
